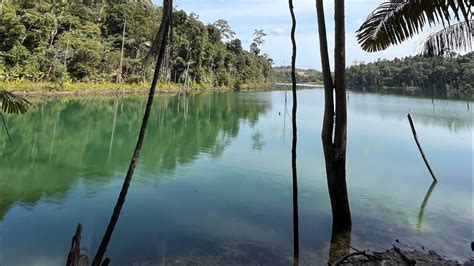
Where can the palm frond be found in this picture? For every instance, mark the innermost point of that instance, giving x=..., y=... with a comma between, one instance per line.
x=13, y=104
x=455, y=37
x=394, y=21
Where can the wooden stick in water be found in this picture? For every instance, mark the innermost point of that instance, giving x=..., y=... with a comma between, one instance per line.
x=421, y=149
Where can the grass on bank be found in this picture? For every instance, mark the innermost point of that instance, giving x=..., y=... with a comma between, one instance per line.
x=90, y=87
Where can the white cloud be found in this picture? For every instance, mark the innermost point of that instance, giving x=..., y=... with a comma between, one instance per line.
x=279, y=31
x=273, y=16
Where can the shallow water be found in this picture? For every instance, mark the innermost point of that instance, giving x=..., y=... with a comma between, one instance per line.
x=215, y=172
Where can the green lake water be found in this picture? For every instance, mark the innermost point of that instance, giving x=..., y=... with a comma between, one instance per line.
x=215, y=175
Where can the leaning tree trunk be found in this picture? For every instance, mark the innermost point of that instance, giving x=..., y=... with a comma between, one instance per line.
x=161, y=42
x=334, y=132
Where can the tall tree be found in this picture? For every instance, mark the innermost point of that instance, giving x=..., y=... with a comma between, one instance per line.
x=296, y=245
x=258, y=40
x=334, y=132
x=224, y=28
x=119, y=76
x=395, y=21
x=159, y=46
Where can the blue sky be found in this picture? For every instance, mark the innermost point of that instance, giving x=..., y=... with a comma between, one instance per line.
x=272, y=16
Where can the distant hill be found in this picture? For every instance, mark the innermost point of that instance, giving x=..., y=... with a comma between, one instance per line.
x=282, y=74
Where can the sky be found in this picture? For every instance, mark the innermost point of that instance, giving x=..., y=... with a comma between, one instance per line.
x=273, y=17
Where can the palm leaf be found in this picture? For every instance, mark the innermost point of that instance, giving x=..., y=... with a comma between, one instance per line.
x=13, y=104
x=394, y=21
x=455, y=37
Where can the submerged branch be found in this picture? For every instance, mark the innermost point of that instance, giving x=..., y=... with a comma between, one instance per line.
x=421, y=149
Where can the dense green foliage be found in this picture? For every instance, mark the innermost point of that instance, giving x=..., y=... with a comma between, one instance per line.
x=455, y=73
x=69, y=42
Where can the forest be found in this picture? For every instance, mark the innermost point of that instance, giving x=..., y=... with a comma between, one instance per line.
x=453, y=73
x=70, y=41
x=450, y=73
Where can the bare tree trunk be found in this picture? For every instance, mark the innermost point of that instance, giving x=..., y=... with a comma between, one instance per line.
x=161, y=40
x=334, y=135
x=67, y=48
x=340, y=200
x=296, y=245
x=120, y=77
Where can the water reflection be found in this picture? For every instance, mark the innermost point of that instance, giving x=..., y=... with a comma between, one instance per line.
x=418, y=93
x=419, y=223
x=448, y=114
x=62, y=141
x=202, y=193
x=340, y=244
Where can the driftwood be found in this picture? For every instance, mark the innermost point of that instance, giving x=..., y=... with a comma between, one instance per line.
x=395, y=256
x=76, y=257
x=421, y=149
x=357, y=253
x=404, y=256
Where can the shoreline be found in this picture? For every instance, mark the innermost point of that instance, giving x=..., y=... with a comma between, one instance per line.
x=32, y=89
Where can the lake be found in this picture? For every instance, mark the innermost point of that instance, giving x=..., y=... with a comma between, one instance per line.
x=215, y=178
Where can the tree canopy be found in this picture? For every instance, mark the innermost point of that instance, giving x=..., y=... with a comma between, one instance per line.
x=71, y=41
x=454, y=73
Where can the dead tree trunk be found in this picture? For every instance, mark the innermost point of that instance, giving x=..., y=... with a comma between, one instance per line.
x=334, y=132
x=421, y=149
x=160, y=44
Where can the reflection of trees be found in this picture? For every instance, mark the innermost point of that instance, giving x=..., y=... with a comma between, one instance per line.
x=257, y=141
x=452, y=115
x=61, y=141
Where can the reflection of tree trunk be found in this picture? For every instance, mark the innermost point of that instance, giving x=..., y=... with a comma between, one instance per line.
x=335, y=150
x=52, y=142
x=296, y=245
x=340, y=244
x=419, y=223
x=161, y=40
x=113, y=129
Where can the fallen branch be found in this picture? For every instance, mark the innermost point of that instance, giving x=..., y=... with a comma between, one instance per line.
x=358, y=253
x=404, y=256
x=421, y=149
x=373, y=256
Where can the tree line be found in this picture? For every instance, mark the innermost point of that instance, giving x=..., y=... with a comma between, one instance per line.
x=448, y=73
x=69, y=41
